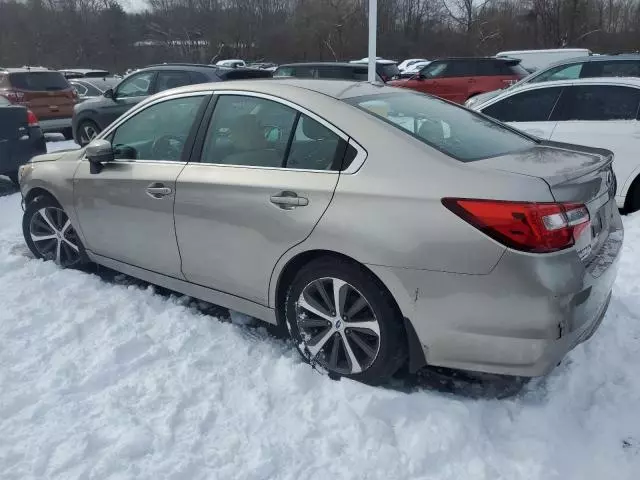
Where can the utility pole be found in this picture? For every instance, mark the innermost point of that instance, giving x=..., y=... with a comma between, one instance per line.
x=373, y=29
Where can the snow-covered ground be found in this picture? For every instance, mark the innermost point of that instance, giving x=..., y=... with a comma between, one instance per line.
x=109, y=380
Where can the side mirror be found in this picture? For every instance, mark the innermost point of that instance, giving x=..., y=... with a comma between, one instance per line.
x=109, y=93
x=99, y=152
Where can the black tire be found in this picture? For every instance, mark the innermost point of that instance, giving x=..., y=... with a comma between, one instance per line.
x=84, y=126
x=69, y=258
x=68, y=133
x=392, y=351
x=13, y=176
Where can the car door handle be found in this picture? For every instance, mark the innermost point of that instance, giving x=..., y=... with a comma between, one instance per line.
x=289, y=200
x=158, y=190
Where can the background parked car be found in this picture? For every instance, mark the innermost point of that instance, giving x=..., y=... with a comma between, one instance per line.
x=84, y=73
x=627, y=65
x=386, y=69
x=233, y=63
x=598, y=112
x=87, y=87
x=326, y=70
x=533, y=60
x=458, y=79
x=20, y=138
x=45, y=92
x=94, y=114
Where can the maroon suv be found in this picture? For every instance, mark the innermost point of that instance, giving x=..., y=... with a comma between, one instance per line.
x=458, y=79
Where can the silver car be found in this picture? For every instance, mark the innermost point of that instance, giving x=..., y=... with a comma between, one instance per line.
x=377, y=225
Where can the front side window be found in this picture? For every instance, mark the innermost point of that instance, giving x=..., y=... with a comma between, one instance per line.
x=138, y=85
x=455, y=131
x=562, y=72
x=39, y=81
x=158, y=132
x=532, y=106
x=597, y=103
x=619, y=68
x=248, y=131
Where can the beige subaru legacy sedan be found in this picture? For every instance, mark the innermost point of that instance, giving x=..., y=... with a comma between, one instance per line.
x=376, y=225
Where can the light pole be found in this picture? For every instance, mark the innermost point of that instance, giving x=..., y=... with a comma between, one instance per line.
x=373, y=25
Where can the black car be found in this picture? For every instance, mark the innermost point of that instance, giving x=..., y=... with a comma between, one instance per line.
x=94, y=114
x=325, y=70
x=84, y=73
x=20, y=138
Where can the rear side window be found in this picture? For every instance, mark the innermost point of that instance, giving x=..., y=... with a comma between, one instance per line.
x=598, y=102
x=171, y=79
x=462, y=68
x=561, y=72
x=509, y=69
x=38, y=81
x=531, y=106
x=621, y=68
x=455, y=131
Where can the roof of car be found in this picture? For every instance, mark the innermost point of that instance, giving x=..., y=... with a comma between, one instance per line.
x=82, y=70
x=338, y=89
x=26, y=69
x=331, y=64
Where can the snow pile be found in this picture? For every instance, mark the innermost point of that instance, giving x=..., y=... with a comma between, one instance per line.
x=61, y=145
x=107, y=380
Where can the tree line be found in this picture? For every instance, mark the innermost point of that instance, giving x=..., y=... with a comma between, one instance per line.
x=105, y=34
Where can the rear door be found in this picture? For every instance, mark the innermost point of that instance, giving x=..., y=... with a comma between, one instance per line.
x=266, y=175
x=131, y=91
x=529, y=111
x=602, y=116
x=46, y=93
x=458, y=78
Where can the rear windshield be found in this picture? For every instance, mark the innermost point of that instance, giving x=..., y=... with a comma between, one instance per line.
x=460, y=133
x=388, y=71
x=515, y=69
x=38, y=81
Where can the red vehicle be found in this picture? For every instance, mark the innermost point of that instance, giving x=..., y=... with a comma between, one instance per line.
x=458, y=79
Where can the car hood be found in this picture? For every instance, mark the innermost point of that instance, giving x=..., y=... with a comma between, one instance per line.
x=57, y=155
x=477, y=100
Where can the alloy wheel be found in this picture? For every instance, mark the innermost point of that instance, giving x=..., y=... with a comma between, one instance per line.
x=338, y=326
x=53, y=236
x=88, y=133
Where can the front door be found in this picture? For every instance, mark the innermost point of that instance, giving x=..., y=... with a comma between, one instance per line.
x=131, y=91
x=126, y=210
x=266, y=175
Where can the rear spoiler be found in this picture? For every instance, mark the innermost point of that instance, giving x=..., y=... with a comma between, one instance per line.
x=601, y=152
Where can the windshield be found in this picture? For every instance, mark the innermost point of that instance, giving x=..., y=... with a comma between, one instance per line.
x=458, y=132
x=39, y=81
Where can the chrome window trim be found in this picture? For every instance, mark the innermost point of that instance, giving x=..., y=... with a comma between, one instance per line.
x=356, y=164
x=144, y=105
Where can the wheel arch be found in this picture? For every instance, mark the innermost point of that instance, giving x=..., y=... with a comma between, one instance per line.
x=37, y=192
x=630, y=193
x=284, y=276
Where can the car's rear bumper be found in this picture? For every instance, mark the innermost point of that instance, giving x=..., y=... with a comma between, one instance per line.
x=14, y=153
x=521, y=319
x=55, y=125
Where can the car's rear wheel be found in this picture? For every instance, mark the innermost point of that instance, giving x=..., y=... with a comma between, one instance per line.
x=87, y=131
x=13, y=176
x=50, y=235
x=344, y=321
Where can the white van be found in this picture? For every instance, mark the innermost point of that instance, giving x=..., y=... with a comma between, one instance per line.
x=533, y=60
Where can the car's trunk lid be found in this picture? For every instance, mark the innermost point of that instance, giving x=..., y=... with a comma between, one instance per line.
x=575, y=174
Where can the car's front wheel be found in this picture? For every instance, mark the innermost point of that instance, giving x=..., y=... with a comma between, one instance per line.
x=87, y=131
x=50, y=235
x=343, y=320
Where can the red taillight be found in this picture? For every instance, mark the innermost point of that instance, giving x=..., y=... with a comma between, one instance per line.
x=529, y=227
x=32, y=119
x=13, y=96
